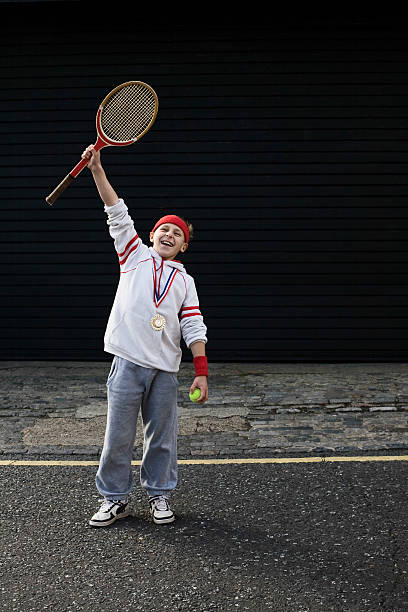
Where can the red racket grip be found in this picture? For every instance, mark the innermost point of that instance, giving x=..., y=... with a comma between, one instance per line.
x=54, y=195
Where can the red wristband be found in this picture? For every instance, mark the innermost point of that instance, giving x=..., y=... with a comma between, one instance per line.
x=201, y=366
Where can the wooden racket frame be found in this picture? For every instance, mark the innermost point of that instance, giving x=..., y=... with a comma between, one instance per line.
x=103, y=140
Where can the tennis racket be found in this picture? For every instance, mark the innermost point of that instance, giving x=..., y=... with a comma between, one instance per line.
x=123, y=117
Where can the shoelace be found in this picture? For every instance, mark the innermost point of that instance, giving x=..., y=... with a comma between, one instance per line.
x=107, y=505
x=160, y=503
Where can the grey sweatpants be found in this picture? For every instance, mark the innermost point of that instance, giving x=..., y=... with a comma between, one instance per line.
x=131, y=387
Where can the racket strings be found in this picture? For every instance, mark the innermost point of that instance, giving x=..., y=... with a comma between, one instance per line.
x=128, y=113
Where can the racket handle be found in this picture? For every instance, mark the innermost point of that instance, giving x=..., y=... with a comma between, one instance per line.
x=58, y=190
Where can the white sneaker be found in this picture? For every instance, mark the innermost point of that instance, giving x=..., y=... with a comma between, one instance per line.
x=109, y=512
x=160, y=510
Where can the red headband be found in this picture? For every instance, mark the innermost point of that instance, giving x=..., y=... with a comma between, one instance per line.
x=176, y=221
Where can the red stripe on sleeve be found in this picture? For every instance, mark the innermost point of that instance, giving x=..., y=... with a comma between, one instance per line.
x=128, y=245
x=122, y=261
x=190, y=308
x=192, y=314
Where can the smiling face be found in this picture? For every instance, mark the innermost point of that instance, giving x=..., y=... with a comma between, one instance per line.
x=168, y=240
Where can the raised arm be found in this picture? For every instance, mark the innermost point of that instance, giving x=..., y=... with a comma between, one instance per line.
x=108, y=194
x=128, y=245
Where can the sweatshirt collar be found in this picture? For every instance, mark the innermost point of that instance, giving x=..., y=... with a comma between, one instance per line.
x=171, y=263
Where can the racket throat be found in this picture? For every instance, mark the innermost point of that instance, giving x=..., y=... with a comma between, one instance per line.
x=99, y=144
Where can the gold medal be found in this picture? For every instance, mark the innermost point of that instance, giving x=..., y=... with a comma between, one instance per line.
x=157, y=322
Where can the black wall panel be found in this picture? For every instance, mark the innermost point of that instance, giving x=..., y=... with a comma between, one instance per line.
x=286, y=146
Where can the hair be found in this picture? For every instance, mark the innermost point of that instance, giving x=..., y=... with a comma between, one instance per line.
x=190, y=227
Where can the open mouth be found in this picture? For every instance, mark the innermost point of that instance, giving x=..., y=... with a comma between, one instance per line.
x=165, y=243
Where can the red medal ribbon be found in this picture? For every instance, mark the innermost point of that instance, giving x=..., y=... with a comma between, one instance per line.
x=157, y=298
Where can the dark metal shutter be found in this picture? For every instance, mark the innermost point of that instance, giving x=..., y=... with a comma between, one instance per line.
x=286, y=147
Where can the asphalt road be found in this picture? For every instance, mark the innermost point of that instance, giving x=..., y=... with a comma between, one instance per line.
x=284, y=537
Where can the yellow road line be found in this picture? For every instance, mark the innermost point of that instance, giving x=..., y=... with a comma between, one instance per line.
x=79, y=463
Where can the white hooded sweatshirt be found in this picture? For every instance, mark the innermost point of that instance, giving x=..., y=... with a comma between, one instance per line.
x=129, y=333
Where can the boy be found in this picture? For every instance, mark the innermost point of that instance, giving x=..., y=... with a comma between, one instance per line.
x=143, y=333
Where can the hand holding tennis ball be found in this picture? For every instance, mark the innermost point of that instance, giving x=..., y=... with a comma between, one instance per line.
x=199, y=390
x=195, y=396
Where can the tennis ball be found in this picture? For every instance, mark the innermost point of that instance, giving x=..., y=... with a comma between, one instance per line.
x=195, y=396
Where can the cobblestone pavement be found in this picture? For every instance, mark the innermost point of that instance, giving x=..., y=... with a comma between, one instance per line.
x=253, y=409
